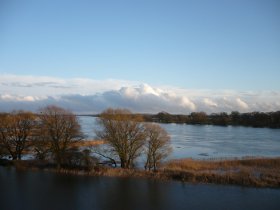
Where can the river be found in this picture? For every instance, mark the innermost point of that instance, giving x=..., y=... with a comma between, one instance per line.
x=39, y=190
x=33, y=190
x=207, y=141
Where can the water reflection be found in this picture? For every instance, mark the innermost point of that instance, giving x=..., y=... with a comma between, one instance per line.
x=27, y=190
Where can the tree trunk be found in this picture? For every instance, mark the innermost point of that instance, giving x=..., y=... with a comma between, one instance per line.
x=122, y=163
x=58, y=161
x=19, y=156
x=154, y=163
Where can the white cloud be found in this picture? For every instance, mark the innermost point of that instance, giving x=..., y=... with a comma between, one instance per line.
x=242, y=104
x=209, y=102
x=92, y=96
x=7, y=97
x=45, y=86
x=29, y=98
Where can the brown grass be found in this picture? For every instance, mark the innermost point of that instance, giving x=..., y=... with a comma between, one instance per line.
x=87, y=143
x=202, y=165
x=255, y=172
x=258, y=172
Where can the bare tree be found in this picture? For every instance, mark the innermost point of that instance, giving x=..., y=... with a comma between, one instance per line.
x=157, y=147
x=124, y=133
x=61, y=128
x=3, y=150
x=15, y=130
x=41, y=142
x=104, y=153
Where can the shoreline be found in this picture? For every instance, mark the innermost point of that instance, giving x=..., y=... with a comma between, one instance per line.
x=248, y=172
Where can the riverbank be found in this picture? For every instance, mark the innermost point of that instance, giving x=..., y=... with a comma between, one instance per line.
x=256, y=172
x=253, y=172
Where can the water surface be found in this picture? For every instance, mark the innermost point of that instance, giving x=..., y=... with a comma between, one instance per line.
x=29, y=190
x=207, y=141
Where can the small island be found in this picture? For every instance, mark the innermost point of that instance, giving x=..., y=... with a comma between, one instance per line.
x=54, y=138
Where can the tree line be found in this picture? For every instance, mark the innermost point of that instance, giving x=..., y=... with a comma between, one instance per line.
x=51, y=133
x=253, y=119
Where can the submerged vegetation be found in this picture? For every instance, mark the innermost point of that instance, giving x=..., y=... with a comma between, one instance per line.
x=258, y=172
x=254, y=172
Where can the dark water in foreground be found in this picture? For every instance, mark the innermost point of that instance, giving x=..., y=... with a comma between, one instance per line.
x=27, y=190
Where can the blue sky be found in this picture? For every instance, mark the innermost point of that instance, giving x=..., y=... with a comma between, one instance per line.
x=191, y=44
x=181, y=56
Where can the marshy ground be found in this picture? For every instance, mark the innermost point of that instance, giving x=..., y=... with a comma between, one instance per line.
x=257, y=172
x=253, y=172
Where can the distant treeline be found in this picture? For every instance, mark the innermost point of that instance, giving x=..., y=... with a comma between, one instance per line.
x=253, y=119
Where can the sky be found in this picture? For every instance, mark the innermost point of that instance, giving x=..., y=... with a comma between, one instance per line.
x=145, y=55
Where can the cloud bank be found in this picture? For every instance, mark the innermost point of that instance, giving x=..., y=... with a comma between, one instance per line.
x=93, y=96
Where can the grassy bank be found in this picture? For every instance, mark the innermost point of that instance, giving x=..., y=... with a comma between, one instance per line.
x=254, y=172
x=257, y=172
